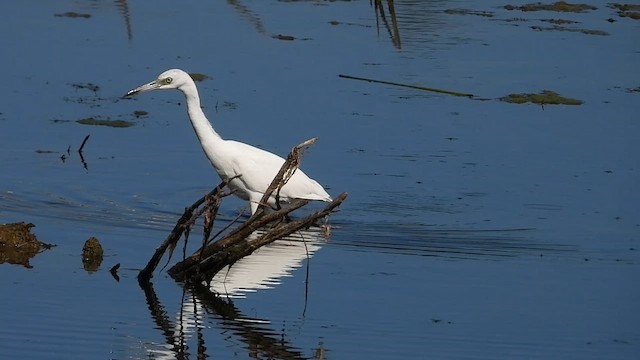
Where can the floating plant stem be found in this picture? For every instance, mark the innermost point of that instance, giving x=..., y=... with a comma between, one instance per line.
x=424, y=88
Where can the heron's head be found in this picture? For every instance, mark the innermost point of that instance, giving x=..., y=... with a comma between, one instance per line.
x=170, y=79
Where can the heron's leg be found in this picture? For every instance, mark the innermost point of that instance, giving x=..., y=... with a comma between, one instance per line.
x=254, y=201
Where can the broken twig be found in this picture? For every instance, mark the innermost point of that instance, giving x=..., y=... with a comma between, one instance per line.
x=181, y=226
x=83, y=142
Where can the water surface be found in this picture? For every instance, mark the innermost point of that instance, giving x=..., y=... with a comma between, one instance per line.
x=473, y=228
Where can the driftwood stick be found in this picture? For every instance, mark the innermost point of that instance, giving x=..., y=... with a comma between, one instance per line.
x=83, y=143
x=234, y=237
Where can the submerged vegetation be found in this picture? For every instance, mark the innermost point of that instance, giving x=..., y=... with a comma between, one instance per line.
x=284, y=37
x=140, y=113
x=101, y=122
x=557, y=24
x=563, y=28
x=469, y=12
x=74, y=15
x=560, y=6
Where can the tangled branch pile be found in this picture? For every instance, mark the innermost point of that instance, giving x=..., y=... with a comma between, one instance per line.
x=211, y=257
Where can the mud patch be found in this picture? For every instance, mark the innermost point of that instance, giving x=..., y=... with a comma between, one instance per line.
x=18, y=245
x=92, y=254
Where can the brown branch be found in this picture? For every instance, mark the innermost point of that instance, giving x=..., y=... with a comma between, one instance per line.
x=145, y=274
x=218, y=256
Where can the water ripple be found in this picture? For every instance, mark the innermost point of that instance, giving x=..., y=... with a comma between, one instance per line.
x=423, y=240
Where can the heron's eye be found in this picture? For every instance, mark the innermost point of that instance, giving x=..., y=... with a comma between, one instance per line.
x=168, y=80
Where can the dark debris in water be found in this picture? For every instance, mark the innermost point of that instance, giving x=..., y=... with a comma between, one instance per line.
x=114, y=271
x=73, y=15
x=546, y=97
x=558, y=25
x=559, y=21
x=102, y=122
x=284, y=37
x=559, y=6
x=92, y=101
x=336, y=23
x=230, y=105
x=469, y=12
x=140, y=113
x=18, y=245
x=85, y=86
x=563, y=28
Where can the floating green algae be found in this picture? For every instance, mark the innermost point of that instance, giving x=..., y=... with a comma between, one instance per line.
x=546, y=97
x=100, y=122
x=560, y=6
x=626, y=10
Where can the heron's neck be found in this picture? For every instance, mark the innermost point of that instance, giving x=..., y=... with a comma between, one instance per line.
x=199, y=121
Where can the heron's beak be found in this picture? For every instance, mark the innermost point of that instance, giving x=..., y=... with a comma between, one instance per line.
x=146, y=87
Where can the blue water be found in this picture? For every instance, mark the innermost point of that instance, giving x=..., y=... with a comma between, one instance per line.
x=473, y=229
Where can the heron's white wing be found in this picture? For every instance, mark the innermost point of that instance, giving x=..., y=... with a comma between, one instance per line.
x=258, y=168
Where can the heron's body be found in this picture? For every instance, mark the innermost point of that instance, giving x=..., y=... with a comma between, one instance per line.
x=255, y=167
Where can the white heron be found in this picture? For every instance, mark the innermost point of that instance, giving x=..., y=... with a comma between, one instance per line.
x=256, y=167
